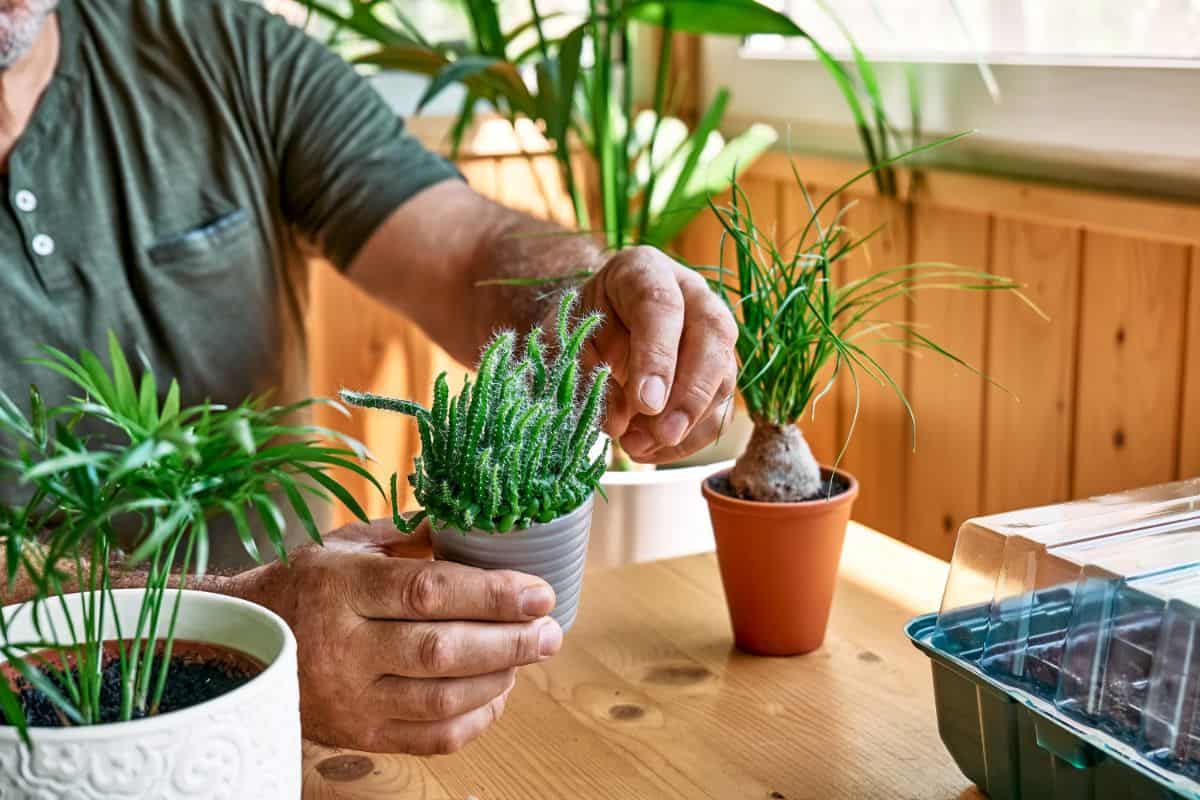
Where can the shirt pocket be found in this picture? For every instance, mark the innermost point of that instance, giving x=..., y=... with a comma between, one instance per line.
x=205, y=248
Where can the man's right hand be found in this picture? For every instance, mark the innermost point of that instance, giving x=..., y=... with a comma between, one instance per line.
x=399, y=653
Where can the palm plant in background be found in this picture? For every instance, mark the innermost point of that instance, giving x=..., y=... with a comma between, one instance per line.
x=152, y=481
x=516, y=446
x=653, y=175
x=798, y=314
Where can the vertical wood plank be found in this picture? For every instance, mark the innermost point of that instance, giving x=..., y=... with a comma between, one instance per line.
x=945, y=470
x=880, y=440
x=1028, y=444
x=1131, y=340
x=1189, y=439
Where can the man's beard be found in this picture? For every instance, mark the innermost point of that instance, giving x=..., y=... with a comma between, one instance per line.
x=20, y=23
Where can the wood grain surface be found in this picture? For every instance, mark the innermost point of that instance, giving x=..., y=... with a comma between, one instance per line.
x=648, y=699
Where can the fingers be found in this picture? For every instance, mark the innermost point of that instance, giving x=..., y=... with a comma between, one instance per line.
x=453, y=649
x=704, y=433
x=641, y=286
x=705, y=375
x=401, y=588
x=430, y=738
x=429, y=700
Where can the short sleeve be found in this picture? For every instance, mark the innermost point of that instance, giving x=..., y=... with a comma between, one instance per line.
x=344, y=160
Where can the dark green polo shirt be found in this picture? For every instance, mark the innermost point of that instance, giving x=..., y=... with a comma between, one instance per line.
x=174, y=169
x=184, y=156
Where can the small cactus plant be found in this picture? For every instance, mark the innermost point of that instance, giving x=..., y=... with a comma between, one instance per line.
x=514, y=447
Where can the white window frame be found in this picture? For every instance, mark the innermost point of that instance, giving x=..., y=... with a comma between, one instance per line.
x=1105, y=124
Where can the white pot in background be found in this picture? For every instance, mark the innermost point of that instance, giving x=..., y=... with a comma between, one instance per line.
x=244, y=744
x=660, y=513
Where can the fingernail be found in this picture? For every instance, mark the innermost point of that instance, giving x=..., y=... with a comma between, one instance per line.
x=549, y=638
x=536, y=601
x=653, y=393
x=674, y=427
x=636, y=442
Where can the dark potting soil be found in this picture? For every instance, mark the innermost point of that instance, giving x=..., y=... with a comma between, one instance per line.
x=830, y=487
x=198, y=672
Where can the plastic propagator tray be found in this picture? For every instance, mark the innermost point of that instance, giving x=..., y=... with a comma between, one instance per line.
x=1066, y=653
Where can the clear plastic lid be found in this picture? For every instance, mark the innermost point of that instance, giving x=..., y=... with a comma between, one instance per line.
x=1170, y=730
x=1094, y=606
x=998, y=559
x=1065, y=587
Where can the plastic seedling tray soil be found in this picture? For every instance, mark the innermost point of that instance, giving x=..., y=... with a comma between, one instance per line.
x=1016, y=745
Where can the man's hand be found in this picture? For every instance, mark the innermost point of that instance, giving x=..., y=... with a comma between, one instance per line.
x=399, y=653
x=670, y=342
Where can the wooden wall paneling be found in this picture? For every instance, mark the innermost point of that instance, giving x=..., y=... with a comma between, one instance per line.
x=1189, y=438
x=355, y=342
x=1027, y=452
x=945, y=471
x=880, y=440
x=1130, y=351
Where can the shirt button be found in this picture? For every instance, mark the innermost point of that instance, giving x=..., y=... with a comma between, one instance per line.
x=25, y=200
x=43, y=245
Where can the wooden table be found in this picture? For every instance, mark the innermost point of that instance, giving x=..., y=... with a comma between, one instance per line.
x=648, y=699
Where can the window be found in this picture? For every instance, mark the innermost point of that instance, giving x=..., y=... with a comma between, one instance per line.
x=438, y=21
x=1003, y=31
x=1091, y=92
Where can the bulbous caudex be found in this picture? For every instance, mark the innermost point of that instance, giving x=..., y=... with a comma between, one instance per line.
x=777, y=467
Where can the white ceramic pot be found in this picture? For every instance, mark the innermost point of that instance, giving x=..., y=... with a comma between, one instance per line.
x=240, y=746
x=659, y=513
x=555, y=551
x=651, y=515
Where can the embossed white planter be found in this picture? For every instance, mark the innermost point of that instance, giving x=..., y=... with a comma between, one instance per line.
x=241, y=745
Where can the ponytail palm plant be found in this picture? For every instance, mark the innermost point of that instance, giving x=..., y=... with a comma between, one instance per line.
x=800, y=317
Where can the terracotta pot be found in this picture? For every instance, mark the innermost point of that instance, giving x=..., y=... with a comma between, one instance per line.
x=779, y=565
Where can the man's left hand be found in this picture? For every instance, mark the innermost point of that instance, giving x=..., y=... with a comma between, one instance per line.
x=670, y=342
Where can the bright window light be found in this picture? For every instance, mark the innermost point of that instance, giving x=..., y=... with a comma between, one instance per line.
x=999, y=31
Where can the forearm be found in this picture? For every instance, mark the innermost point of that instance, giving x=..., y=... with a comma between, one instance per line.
x=429, y=258
x=526, y=248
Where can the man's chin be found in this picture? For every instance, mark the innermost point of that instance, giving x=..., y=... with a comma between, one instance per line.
x=20, y=23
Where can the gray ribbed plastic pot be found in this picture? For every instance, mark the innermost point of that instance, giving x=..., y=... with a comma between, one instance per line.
x=554, y=551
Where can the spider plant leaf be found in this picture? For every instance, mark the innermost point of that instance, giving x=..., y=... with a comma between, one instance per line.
x=414, y=58
x=300, y=506
x=712, y=178
x=124, y=391
x=273, y=523
x=242, y=526
x=170, y=407
x=40, y=681
x=486, y=76
x=337, y=490
x=14, y=712
x=360, y=20
x=726, y=17
x=558, y=119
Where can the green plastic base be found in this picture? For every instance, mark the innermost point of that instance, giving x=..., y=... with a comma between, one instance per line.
x=1012, y=749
